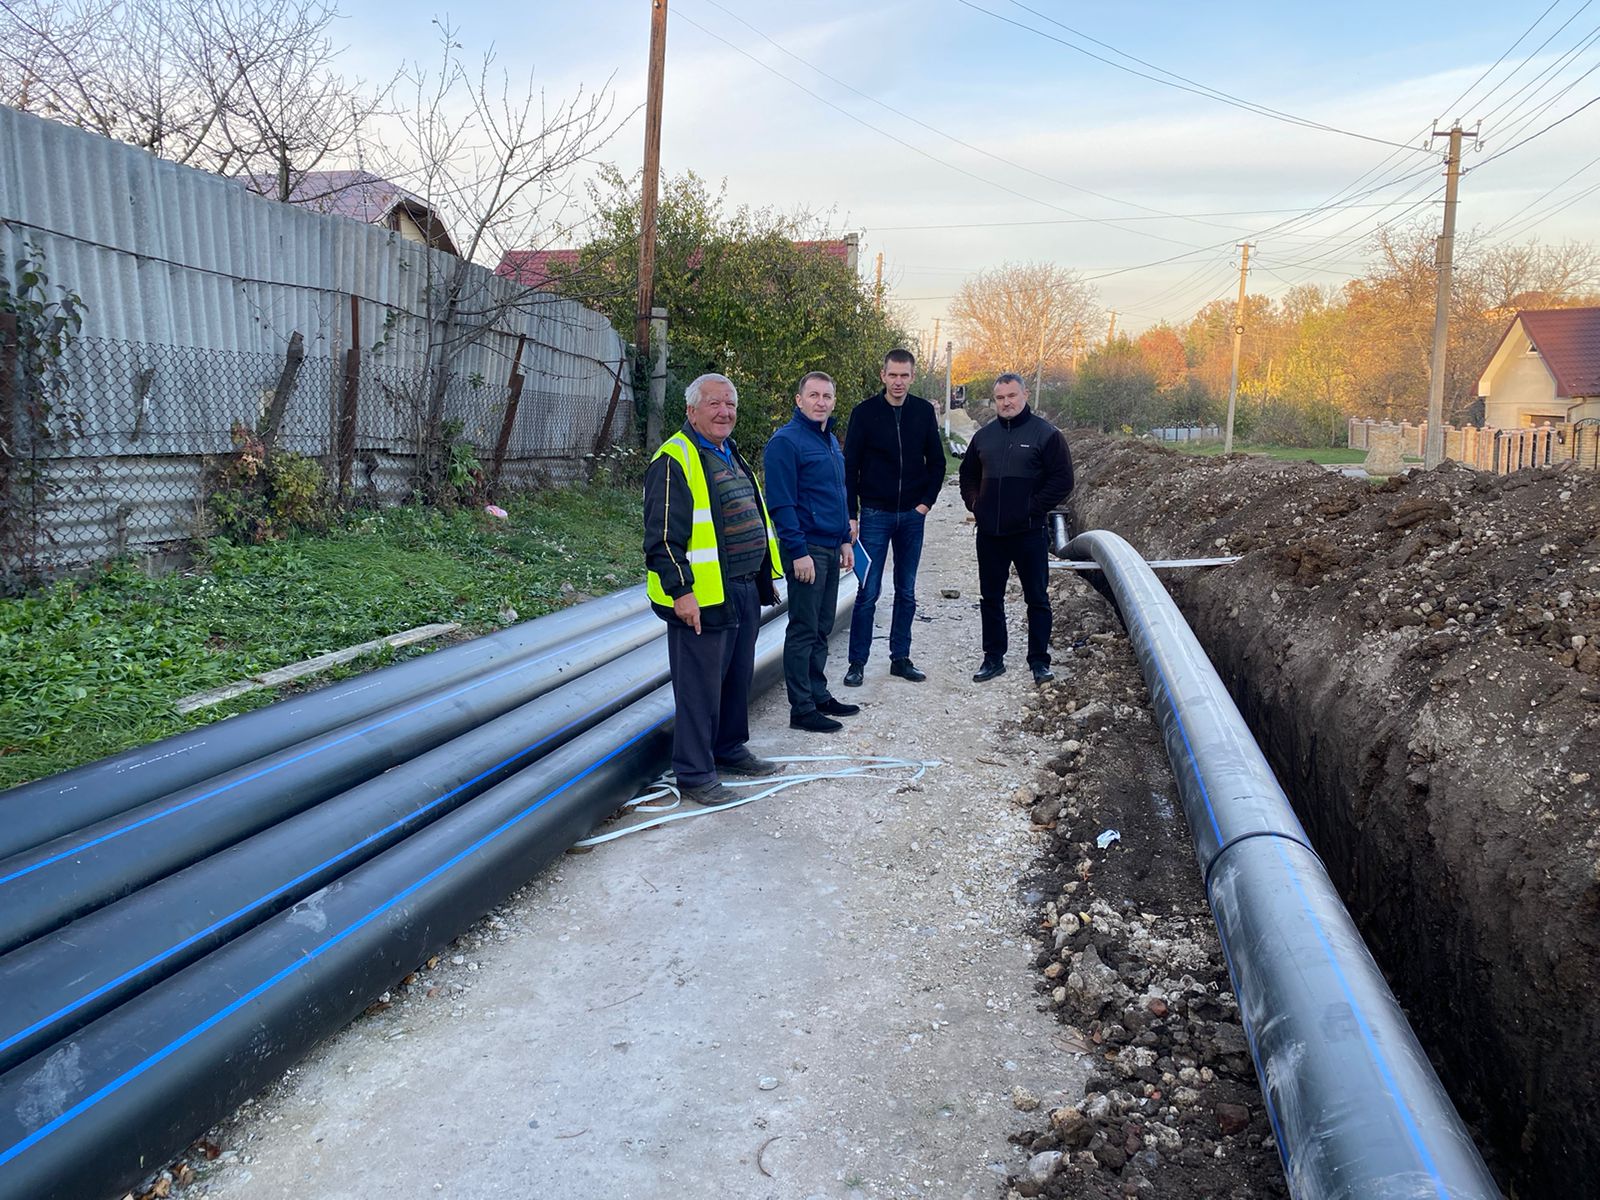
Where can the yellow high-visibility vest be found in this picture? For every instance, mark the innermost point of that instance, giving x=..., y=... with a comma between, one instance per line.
x=704, y=559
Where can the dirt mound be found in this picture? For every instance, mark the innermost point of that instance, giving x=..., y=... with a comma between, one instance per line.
x=1421, y=661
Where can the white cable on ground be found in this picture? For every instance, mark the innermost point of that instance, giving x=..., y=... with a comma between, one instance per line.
x=663, y=796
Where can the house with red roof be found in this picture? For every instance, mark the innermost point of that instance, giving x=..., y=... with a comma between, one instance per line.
x=368, y=198
x=1546, y=369
x=536, y=268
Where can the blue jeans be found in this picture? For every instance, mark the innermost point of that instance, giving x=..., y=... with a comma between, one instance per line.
x=880, y=532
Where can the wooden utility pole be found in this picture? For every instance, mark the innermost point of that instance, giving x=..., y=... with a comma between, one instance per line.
x=1238, y=335
x=877, y=288
x=1111, y=334
x=1444, y=252
x=651, y=184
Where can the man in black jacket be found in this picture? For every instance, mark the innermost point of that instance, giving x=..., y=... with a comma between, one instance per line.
x=710, y=559
x=893, y=469
x=1016, y=469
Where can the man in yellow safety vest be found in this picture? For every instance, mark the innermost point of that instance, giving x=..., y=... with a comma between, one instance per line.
x=710, y=559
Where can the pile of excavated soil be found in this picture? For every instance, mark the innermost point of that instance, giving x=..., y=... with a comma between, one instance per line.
x=1420, y=659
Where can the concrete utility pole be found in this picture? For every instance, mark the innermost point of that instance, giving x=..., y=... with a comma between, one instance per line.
x=877, y=288
x=1238, y=334
x=1077, y=345
x=949, y=348
x=934, y=365
x=1038, y=370
x=1111, y=334
x=1433, y=452
x=651, y=185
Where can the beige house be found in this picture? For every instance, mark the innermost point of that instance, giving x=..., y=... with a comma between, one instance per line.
x=1546, y=370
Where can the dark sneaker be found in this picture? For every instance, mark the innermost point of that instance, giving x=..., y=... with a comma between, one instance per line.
x=853, y=677
x=1042, y=673
x=906, y=669
x=814, y=722
x=750, y=764
x=991, y=668
x=837, y=708
x=709, y=795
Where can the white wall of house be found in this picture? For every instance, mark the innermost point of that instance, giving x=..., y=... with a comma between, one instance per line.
x=1518, y=389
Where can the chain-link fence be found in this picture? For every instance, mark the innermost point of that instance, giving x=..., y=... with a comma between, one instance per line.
x=112, y=448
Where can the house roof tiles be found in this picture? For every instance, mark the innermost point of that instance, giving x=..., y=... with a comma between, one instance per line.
x=1568, y=340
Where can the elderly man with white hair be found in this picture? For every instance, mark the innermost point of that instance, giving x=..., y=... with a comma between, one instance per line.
x=711, y=559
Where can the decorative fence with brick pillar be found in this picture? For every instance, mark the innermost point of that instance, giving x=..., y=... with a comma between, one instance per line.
x=1499, y=450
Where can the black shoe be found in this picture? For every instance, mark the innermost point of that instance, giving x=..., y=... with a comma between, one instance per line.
x=1042, y=673
x=750, y=764
x=837, y=708
x=709, y=795
x=906, y=669
x=814, y=722
x=852, y=677
x=991, y=667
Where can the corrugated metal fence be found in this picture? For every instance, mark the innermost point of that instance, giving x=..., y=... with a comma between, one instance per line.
x=194, y=289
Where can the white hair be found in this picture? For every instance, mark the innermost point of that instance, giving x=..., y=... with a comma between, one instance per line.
x=691, y=394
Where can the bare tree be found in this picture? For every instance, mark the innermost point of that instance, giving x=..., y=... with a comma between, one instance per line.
x=493, y=157
x=231, y=86
x=1013, y=317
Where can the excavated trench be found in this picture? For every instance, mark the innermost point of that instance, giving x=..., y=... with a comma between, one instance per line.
x=1420, y=660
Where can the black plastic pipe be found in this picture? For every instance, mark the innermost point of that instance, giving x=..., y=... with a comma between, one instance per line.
x=1357, y=1109
x=43, y=888
x=34, y=813
x=107, y=1105
x=58, y=983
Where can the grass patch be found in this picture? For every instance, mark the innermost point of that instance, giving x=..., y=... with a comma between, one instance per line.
x=92, y=667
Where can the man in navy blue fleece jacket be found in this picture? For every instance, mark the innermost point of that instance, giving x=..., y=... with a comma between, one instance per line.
x=805, y=495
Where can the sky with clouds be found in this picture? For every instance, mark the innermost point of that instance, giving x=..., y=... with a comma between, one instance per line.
x=955, y=135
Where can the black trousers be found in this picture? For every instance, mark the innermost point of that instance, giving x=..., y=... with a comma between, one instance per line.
x=1029, y=553
x=711, y=673
x=805, y=641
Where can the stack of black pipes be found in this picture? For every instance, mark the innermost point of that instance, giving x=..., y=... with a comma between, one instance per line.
x=182, y=922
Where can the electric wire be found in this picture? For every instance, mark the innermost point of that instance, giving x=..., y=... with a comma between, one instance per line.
x=915, y=149
x=1198, y=89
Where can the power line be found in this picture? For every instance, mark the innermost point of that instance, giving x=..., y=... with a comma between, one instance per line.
x=1243, y=212
x=1198, y=89
x=1159, y=212
x=984, y=179
x=1532, y=54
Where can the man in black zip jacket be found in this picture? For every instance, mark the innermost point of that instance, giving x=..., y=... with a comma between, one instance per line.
x=1016, y=469
x=893, y=470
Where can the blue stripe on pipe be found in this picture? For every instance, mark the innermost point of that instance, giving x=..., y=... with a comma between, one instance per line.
x=177, y=808
x=222, y=1014
x=65, y=1010
x=1377, y=1053
x=1361, y=1022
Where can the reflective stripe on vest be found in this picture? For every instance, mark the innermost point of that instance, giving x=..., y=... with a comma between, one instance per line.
x=704, y=559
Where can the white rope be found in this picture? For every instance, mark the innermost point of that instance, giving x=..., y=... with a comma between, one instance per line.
x=663, y=795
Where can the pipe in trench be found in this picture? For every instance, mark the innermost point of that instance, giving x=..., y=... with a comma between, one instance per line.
x=1358, y=1112
x=34, y=813
x=97, y=1111
x=44, y=888
x=58, y=983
